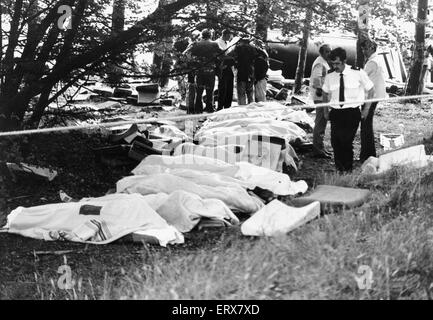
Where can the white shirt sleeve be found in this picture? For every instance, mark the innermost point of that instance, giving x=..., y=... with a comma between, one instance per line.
x=325, y=86
x=317, y=76
x=372, y=69
x=365, y=80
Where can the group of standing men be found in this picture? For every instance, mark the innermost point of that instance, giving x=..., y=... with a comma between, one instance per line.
x=212, y=59
x=332, y=80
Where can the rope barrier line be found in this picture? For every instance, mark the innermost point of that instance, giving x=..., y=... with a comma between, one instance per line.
x=200, y=116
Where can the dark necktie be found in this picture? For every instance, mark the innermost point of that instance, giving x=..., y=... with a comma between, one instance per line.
x=341, y=89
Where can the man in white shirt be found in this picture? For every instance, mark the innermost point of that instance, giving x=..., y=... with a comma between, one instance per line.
x=225, y=73
x=224, y=40
x=318, y=73
x=375, y=72
x=343, y=85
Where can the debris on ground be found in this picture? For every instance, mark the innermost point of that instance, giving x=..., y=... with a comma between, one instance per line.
x=15, y=168
x=277, y=218
x=333, y=198
x=414, y=156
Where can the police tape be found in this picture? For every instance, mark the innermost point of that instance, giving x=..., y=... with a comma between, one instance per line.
x=229, y=112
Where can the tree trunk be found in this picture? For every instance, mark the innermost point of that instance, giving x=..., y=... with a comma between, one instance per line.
x=263, y=19
x=118, y=16
x=414, y=83
x=31, y=69
x=162, y=60
x=362, y=30
x=8, y=63
x=115, y=73
x=34, y=19
x=40, y=107
x=211, y=14
x=64, y=53
x=303, y=51
x=360, y=59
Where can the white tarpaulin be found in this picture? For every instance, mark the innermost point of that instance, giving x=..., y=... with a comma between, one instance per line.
x=258, y=109
x=243, y=174
x=187, y=161
x=276, y=182
x=235, y=197
x=265, y=139
x=263, y=151
x=413, y=156
x=171, y=131
x=228, y=153
x=93, y=220
x=229, y=129
x=277, y=219
x=184, y=210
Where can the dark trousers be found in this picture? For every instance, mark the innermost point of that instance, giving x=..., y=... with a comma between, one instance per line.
x=368, y=148
x=344, y=124
x=190, y=94
x=225, y=89
x=204, y=81
x=319, y=130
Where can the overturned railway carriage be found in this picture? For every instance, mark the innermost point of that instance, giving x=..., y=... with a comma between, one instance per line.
x=285, y=57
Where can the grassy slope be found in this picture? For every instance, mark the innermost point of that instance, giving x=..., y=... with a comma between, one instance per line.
x=317, y=261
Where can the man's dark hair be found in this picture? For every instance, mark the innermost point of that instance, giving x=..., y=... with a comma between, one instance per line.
x=226, y=32
x=369, y=43
x=206, y=34
x=338, y=52
x=322, y=48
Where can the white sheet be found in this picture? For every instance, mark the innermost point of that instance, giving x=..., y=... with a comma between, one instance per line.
x=120, y=214
x=230, y=129
x=227, y=153
x=235, y=197
x=184, y=210
x=187, y=161
x=244, y=174
x=277, y=219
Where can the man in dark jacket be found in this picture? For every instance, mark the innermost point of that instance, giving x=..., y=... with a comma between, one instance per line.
x=205, y=53
x=245, y=54
x=225, y=73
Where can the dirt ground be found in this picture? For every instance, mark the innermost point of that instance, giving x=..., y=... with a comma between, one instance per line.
x=82, y=175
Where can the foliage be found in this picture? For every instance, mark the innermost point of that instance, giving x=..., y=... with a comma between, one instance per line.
x=37, y=55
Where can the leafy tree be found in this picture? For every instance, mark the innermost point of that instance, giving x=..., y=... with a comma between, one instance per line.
x=37, y=56
x=52, y=56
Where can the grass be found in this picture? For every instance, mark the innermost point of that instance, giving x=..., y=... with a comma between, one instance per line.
x=392, y=234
